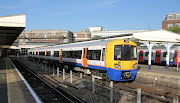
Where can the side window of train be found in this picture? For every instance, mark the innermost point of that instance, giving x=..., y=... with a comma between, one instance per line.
x=72, y=54
x=158, y=54
x=94, y=54
x=141, y=54
x=65, y=54
x=48, y=53
x=56, y=53
x=42, y=53
x=146, y=53
x=36, y=53
x=164, y=54
x=77, y=54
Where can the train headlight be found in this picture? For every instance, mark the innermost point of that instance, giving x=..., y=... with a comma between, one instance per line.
x=135, y=65
x=117, y=66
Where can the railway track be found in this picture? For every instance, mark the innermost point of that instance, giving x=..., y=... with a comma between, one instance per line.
x=162, y=96
x=48, y=91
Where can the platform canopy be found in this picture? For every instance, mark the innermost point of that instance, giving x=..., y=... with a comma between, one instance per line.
x=10, y=28
x=158, y=36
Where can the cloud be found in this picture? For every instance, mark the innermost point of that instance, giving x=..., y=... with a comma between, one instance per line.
x=8, y=7
x=105, y=4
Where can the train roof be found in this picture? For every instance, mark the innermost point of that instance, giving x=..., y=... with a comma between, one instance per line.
x=87, y=43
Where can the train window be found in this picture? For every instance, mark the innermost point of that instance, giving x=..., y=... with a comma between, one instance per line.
x=146, y=53
x=72, y=54
x=33, y=53
x=141, y=54
x=30, y=52
x=65, y=54
x=103, y=54
x=125, y=52
x=36, y=53
x=158, y=54
x=118, y=52
x=48, y=53
x=93, y=54
x=42, y=53
x=56, y=53
x=77, y=54
x=164, y=54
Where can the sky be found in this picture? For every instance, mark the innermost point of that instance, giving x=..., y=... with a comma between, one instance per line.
x=76, y=15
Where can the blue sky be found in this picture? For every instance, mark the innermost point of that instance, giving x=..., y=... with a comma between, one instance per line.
x=75, y=15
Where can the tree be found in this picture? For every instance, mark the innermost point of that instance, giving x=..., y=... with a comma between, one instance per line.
x=96, y=37
x=174, y=29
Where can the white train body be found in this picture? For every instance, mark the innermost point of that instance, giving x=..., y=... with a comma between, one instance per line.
x=158, y=55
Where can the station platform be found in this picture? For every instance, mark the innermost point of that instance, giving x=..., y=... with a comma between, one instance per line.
x=12, y=87
x=159, y=75
x=160, y=70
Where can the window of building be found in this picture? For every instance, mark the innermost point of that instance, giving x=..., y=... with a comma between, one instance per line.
x=170, y=17
x=26, y=35
x=93, y=54
x=170, y=25
x=64, y=34
x=56, y=53
x=21, y=40
x=36, y=34
x=178, y=16
x=45, y=34
x=53, y=33
x=27, y=40
x=164, y=54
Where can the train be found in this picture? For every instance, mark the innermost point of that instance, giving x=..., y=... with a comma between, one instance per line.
x=114, y=60
x=158, y=55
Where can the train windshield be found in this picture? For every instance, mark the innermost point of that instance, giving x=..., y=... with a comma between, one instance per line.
x=125, y=52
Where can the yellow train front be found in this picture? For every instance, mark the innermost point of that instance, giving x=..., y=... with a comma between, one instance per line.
x=121, y=60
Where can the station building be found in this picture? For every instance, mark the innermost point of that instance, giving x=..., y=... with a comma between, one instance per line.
x=171, y=20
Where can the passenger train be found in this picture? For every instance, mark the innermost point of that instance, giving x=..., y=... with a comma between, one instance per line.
x=158, y=55
x=115, y=59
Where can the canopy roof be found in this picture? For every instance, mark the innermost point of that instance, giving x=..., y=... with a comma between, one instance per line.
x=10, y=28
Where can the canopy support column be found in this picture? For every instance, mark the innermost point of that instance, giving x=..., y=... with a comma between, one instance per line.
x=149, y=45
x=168, y=46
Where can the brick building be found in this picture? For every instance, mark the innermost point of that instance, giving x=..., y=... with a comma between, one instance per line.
x=45, y=36
x=171, y=20
x=82, y=35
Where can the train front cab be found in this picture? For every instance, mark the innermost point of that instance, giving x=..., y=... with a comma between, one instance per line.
x=121, y=60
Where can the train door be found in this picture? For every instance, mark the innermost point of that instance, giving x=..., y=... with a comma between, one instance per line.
x=84, y=59
x=103, y=52
x=60, y=55
x=45, y=54
x=141, y=56
x=176, y=57
x=158, y=56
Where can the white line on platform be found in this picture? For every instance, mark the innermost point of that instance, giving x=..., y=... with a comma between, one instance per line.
x=36, y=97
